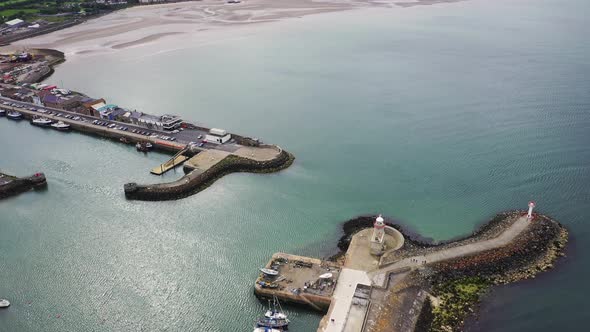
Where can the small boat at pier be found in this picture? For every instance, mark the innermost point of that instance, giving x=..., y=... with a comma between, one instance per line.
x=266, y=329
x=4, y=303
x=2, y=112
x=270, y=272
x=274, y=318
x=60, y=125
x=41, y=121
x=14, y=115
x=143, y=146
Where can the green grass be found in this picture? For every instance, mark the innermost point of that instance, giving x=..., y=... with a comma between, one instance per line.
x=10, y=12
x=457, y=299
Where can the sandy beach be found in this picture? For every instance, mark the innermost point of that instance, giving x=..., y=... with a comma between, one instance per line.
x=146, y=24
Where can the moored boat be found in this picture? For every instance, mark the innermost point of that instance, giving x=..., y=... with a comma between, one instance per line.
x=41, y=121
x=266, y=329
x=143, y=146
x=4, y=303
x=14, y=115
x=274, y=318
x=2, y=112
x=269, y=272
x=60, y=125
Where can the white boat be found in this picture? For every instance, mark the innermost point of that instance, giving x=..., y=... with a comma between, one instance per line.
x=274, y=318
x=266, y=329
x=326, y=276
x=4, y=303
x=14, y=115
x=269, y=272
x=60, y=125
x=41, y=121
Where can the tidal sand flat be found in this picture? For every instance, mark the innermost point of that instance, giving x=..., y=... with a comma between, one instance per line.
x=145, y=24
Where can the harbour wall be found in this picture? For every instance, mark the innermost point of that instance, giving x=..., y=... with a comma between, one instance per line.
x=195, y=181
x=20, y=185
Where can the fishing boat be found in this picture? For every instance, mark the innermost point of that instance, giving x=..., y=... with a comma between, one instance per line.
x=274, y=318
x=41, y=121
x=2, y=112
x=269, y=272
x=265, y=284
x=60, y=125
x=143, y=146
x=14, y=115
x=4, y=303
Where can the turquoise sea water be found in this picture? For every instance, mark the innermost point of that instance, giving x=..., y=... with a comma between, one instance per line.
x=438, y=116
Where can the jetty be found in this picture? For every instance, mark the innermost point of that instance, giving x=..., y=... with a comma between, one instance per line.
x=388, y=281
x=12, y=185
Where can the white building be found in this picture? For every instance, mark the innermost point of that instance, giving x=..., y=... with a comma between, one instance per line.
x=17, y=22
x=170, y=122
x=217, y=136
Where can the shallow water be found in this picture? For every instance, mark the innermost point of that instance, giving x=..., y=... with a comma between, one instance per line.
x=439, y=116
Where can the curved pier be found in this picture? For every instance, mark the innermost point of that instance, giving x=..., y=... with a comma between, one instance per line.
x=206, y=167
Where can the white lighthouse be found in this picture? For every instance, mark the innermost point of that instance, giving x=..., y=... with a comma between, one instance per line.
x=377, y=245
x=529, y=215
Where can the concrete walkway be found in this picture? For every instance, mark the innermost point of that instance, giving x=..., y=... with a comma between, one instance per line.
x=342, y=298
x=379, y=276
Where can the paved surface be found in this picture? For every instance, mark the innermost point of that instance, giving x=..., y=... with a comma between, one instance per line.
x=259, y=154
x=503, y=239
x=342, y=299
x=204, y=160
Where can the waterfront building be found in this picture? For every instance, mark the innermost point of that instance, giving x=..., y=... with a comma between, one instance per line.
x=170, y=122
x=17, y=22
x=217, y=136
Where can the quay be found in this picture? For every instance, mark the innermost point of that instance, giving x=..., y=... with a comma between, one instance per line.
x=389, y=282
x=301, y=280
x=205, y=160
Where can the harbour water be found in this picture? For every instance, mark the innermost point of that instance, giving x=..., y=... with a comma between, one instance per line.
x=438, y=116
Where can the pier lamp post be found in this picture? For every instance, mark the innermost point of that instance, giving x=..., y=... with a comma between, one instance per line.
x=529, y=215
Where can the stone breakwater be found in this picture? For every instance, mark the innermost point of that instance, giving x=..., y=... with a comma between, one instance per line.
x=10, y=185
x=195, y=181
x=452, y=288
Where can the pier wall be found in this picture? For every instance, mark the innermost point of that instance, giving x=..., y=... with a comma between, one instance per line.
x=20, y=185
x=195, y=181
